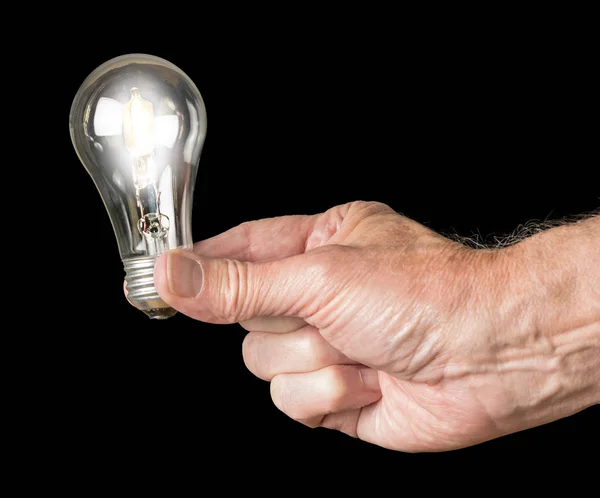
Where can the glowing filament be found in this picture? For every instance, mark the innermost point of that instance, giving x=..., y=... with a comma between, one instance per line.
x=138, y=125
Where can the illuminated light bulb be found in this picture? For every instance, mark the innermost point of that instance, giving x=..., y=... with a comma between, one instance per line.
x=138, y=125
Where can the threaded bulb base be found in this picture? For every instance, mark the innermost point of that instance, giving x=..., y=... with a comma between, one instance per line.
x=139, y=275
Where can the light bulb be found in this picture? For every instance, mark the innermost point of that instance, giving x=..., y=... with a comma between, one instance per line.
x=138, y=125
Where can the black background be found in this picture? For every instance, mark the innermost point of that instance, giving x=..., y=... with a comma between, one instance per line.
x=471, y=128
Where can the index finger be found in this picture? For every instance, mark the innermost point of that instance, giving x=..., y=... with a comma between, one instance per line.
x=273, y=238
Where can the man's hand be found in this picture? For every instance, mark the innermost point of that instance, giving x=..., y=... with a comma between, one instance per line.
x=370, y=323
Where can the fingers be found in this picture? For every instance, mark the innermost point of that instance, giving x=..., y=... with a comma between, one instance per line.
x=274, y=238
x=311, y=381
x=270, y=238
x=268, y=355
x=286, y=236
x=340, y=389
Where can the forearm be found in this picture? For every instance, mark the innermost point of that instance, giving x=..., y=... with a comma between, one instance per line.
x=562, y=270
x=551, y=288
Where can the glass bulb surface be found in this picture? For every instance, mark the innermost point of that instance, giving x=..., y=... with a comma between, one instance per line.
x=138, y=125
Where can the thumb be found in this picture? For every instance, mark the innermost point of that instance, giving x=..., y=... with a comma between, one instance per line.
x=219, y=290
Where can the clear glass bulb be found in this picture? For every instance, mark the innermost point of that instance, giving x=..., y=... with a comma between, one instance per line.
x=138, y=125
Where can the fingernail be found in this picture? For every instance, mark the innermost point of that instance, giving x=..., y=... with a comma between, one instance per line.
x=184, y=275
x=370, y=378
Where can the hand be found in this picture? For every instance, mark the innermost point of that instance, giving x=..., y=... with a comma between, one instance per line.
x=369, y=323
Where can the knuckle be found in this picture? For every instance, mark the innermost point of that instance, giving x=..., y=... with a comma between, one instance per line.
x=307, y=343
x=326, y=259
x=368, y=208
x=232, y=290
x=336, y=386
x=311, y=346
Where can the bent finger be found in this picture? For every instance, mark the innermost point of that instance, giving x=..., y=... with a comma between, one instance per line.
x=274, y=238
x=267, y=355
x=338, y=388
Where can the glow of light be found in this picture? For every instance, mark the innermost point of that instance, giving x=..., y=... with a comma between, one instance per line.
x=138, y=125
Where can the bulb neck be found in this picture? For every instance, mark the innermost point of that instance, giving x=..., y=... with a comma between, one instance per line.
x=139, y=275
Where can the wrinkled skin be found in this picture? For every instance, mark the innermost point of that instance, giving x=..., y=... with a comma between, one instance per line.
x=368, y=322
